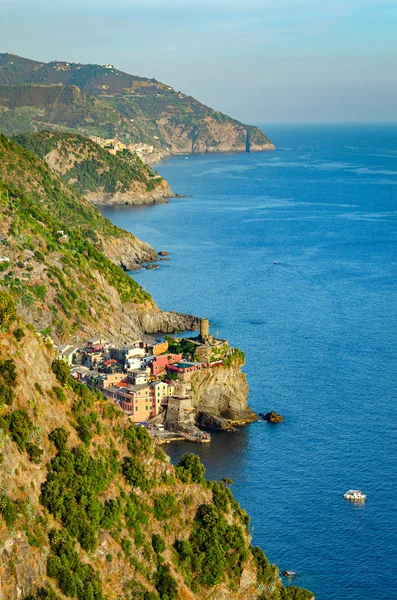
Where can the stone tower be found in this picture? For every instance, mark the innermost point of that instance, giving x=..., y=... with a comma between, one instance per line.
x=205, y=337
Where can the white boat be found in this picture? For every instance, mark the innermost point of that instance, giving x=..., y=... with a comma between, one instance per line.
x=355, y=496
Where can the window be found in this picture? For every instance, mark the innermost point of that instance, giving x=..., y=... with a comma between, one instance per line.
x=136, y=408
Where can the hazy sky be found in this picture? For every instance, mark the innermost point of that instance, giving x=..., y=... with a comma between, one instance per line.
x=258, y=60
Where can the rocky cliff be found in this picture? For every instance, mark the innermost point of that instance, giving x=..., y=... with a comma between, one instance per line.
x=221, y=392
x=103, y=101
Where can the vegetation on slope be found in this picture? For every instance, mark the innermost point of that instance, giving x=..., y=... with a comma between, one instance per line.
x=96, y=511
x=55, y=242
x=27, y=108
x=89, y=168
x=139, y=109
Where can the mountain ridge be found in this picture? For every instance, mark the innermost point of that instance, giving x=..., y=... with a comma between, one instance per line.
x=141, y=110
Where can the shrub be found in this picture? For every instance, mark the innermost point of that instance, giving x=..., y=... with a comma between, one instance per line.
x=34, y=452
x=165, y=506
x=61, y=370
x=71, y=491
x=190, y=469
x=8, y=372
x=74, y=578
x=158, y=543
x=20, y=427
x=39, y=291
x=264, y=571
x=165, y=584
x=134, y=473
x=59, y=393
x=46, y=593
x=59, y=437
x=126, y=545
x=295, y=593
x=8, y=379
x=39, y=388
x=215, y=551
x=8, y=510
x=19, y=334
x=8, y=312
x=221, y=496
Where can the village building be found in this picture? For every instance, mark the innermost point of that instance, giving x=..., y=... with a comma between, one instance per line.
x=158, y=348
x=160, y=363
x=66, y=353
x=125, y=353
x=135, y=400
x=160, y=394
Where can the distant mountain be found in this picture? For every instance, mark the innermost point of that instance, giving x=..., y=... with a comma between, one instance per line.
x=103, y=101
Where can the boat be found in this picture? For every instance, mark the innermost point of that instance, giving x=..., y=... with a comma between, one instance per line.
x=355, y=496
x=289, y=574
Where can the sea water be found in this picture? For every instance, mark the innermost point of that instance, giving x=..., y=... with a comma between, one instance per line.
x=292, y=256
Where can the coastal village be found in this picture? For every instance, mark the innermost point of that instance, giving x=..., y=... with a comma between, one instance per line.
x=146, y=152
x=150, y=380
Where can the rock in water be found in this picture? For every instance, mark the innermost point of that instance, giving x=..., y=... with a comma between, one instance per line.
x=272, y=417
x=211, y=421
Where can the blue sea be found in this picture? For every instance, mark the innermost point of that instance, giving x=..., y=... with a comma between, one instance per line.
x=292, y=256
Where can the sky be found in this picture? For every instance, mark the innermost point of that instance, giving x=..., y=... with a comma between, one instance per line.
x=261, y=61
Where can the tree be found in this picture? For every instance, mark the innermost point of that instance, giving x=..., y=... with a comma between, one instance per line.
x=190, y=469
x=7, y=311
x=61, y=370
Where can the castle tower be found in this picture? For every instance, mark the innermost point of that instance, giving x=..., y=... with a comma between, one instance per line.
x=205, y=337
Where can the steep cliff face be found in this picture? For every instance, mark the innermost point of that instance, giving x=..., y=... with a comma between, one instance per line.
x=213, y=134
x=222, y=392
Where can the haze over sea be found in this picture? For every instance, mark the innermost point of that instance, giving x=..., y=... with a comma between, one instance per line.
x=319, y=333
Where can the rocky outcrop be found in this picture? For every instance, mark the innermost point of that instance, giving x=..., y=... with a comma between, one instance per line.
x=136, y=196
x=213, y=134
x=222, y=392
x=156, y=321
x=211, y=421
x=272, y=417
x=127, y=251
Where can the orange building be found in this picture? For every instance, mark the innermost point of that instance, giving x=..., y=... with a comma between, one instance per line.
x=160, y=348
x=135, y=400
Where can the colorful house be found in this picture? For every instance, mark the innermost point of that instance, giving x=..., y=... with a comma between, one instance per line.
x=135, y=400
x=160, y=363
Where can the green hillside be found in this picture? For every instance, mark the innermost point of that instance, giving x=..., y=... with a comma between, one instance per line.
x=61, y=252
x=89, y=168
x=139, y=109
